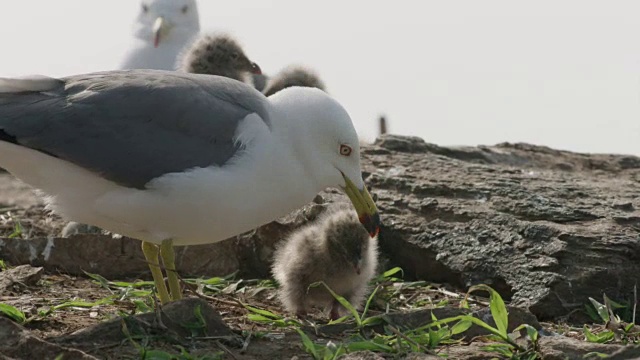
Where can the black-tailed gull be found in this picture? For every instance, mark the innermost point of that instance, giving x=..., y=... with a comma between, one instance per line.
x=174, y=158
x=294, y=75
x=162, y=29
x=217, y=54
x=334, y=249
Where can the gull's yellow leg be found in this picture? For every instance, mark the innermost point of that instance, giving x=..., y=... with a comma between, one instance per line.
x=151, y=254
x=169, y=261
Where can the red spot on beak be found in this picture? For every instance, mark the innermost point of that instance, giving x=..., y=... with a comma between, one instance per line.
x=371, y=224
x=156, y=39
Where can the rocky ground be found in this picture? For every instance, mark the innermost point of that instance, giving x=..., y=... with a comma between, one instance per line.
x=547, y=229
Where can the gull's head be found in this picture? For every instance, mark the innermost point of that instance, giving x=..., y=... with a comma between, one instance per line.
x=328, y=145
x=160, y=21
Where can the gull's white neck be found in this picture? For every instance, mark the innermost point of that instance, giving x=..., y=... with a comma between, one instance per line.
x=143, y=54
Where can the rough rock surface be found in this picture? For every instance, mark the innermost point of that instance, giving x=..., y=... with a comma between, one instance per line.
x=180, y=319
x=19, y=344
x=23, y=275
x=545, y=228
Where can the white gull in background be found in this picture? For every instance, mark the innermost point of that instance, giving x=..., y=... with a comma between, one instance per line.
x=162, y=29
x=174, y=158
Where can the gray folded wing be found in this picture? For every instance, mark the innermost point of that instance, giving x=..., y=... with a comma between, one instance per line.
x=129, y=126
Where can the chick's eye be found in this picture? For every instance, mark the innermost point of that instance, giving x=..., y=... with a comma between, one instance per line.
x=185, y=9
x=145, y=8
x=345, y=150
x=234, y=56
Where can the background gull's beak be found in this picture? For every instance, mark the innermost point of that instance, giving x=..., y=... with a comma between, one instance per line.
x=159, y=27
x=364, y=205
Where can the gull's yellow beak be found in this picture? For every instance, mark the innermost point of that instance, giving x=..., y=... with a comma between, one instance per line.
x=160, y=27
x=364, y=205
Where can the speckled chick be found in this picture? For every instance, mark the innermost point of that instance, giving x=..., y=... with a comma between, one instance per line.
x=217, y=54
x=335, y=249
x=293, y=76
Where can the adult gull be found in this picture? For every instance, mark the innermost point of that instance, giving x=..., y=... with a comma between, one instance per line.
x=162, y=29
x=172, y=158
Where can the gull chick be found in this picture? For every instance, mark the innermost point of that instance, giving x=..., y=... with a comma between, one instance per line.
x=293, y=76
x=337, y=250
x=218, y=54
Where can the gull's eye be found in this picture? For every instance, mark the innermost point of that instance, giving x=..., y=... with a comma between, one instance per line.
x=345, y=150
x=185, y=9
x=234, y=55
x=145, y=8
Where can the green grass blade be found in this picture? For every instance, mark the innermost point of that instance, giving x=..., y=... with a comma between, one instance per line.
x=460, y=327
x=484, y=325
x=389, y=273
x=600, y=309
x=369, y=300
x=344, y=302
x=531, y=331
x=597, y=338
x=13, y=313
x=264, y=313
x=497, y=307
x=368, y=346
x=309, y=345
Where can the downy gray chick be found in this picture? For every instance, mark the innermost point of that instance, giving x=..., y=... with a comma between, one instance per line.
x=335, y=249
x=293, y=76
x=218, y=54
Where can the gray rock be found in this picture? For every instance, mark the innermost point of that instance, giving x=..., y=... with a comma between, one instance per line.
x=16, y=342
x=179, y=319
x=362, y=355
x=565, y=348
x=536, y=224
x=23, y=275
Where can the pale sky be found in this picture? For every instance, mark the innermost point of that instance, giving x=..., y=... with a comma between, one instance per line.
x=561, y=73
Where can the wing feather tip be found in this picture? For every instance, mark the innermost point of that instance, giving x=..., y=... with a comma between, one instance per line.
x=33, y=83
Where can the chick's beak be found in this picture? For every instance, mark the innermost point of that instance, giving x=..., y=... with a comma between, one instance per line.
x=255, y=69
x=364, y=205
x=159, y=28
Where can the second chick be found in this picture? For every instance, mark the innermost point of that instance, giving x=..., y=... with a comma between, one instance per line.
x=335, y=249
x=217, y=54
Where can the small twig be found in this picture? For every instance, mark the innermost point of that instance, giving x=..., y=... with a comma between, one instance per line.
x=106, y=346
x=635, y=302
x=194, y=290
x=246, y=342
x=405, y=337
x=225, y=349
x=410, y=298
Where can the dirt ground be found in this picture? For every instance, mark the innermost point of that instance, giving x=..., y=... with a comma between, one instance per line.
x=58, y=307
